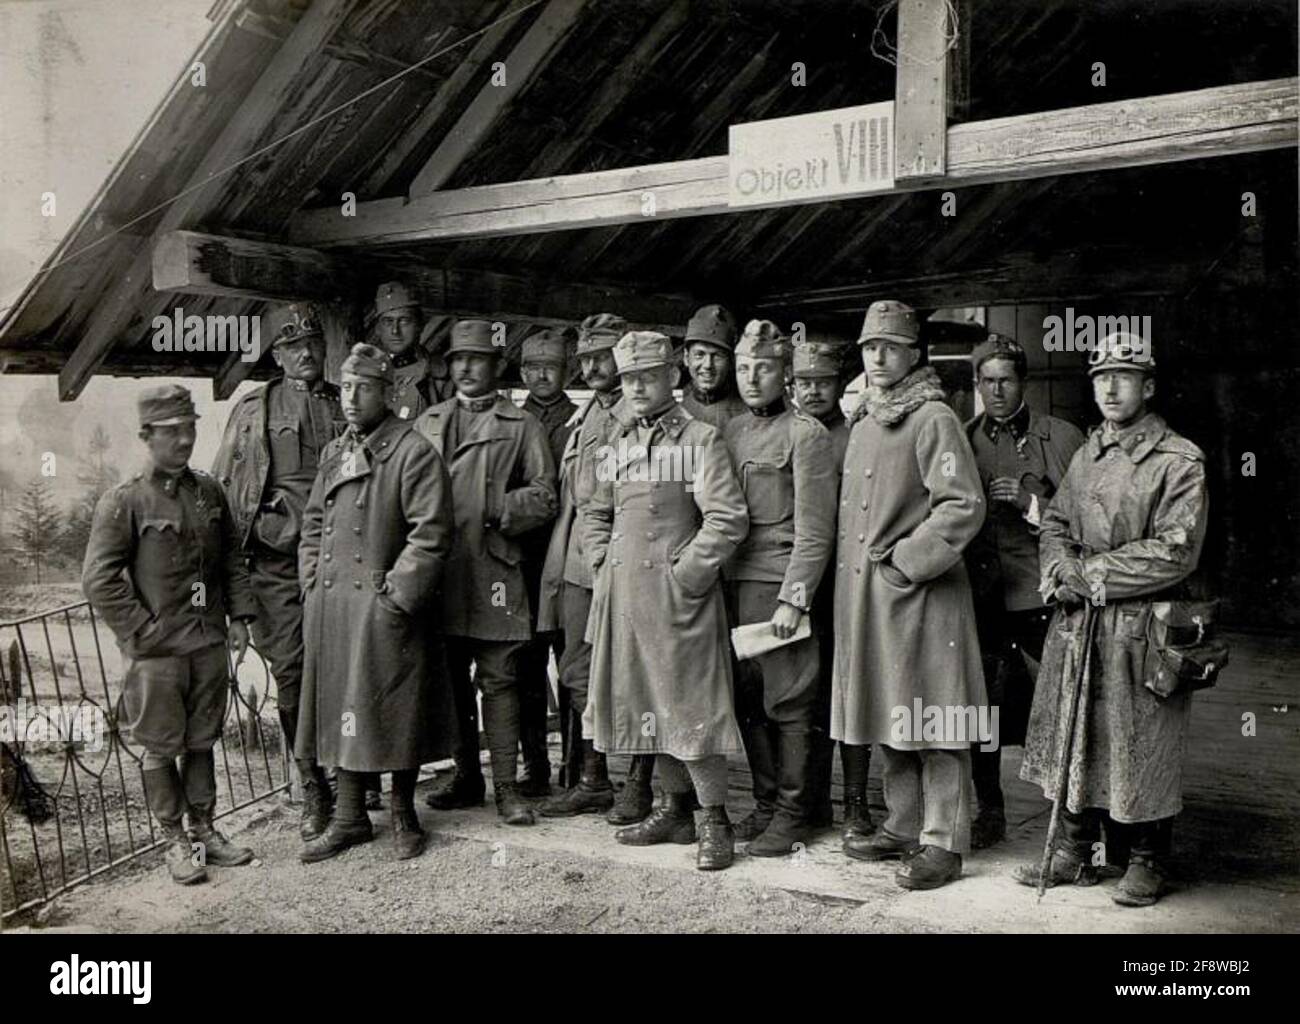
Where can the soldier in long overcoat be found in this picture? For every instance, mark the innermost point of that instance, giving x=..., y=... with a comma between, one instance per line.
x=376, y=538
x=503, y=484
x=1124, y=532
x=905, y=642
x=667, y=512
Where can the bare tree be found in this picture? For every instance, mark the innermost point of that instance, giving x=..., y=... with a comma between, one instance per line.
x=36, y=530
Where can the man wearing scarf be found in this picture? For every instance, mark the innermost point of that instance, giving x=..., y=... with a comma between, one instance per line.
x=1022, y=455
x=905, y=637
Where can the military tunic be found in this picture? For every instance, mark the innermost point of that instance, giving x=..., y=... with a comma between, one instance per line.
x=419, y=381
x=1134, y=507
x=715, y=408
x=661, y=667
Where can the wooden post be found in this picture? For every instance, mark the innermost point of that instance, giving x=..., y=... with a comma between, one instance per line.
x=922, y=94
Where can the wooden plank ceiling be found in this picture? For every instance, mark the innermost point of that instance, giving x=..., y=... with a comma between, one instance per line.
x=631, y=82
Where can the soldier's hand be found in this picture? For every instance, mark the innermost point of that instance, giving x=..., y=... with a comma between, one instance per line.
x=786, y=620
x=1004, y=488
x=1069, y=597
x=239, y=640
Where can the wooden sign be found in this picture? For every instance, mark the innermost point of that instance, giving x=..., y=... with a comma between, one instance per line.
x=845, y=152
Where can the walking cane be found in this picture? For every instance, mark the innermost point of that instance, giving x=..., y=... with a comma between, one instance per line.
x=1083, y=664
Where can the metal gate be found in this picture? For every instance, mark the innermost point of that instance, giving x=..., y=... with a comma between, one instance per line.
x=72, y=806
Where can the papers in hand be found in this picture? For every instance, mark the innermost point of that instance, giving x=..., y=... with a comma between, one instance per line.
x=757, y=638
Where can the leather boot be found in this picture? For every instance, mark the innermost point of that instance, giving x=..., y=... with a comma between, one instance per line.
x=760, y=750
x=856, y=761
x=671, y=822
x=350, y=825
x=510, y=805
x=316, y=801
x=162, y=790
x=408, y=836
x=930, y=868
x=880, y=845
x=216, y=848
x=459, y=790
x=1144, y=881
x=990, y=824
x=717, y=840
x=788, y=830
x=1064, y=868
x=821, y=814
x=636, y=799
x=592, y=795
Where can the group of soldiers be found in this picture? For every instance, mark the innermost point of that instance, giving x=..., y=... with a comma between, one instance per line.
x=410, y=537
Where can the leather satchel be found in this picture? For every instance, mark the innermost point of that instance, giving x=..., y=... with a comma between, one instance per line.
x=1183, y=651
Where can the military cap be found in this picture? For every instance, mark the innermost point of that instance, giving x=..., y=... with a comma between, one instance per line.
x=393, y=295
x=642, y=350
x=600, y=332
x=166, y=405
x=369, y=361
x=713, y=325
x=546, y=346
x=475, y=336
x=295, y=320
x=817, y=359
x=762, y=339
x=890, y=320
x=1000, y=346
x=1122, y=350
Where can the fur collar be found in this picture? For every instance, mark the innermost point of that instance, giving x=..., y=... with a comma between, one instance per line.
x=888, y=406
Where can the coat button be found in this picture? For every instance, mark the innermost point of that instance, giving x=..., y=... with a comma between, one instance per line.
x=864, y=504
x=358, y=558
x=839, y=565
x=360, y=503
x=329, y=530
x=328, y=556
x=357, y=584
x=616, y=561
x=329, y=502
x=861, y=537
x=653, y=508
x=357, y=530
x=328, y=583
x=651, y=535
x=646, y=564
x=868, y=472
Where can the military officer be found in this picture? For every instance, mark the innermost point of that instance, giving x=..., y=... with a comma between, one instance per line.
x=164, y=570
x=785, y=461
x=710, y=338
x=667, y=512
x=819, y=387
x=1124, y=531
x=1021, y=455
x=419, y=379
x=910, y=502
x=544, y=363
x=376, y=534
x=266, y=465
x=566, y=582
x=503, y=486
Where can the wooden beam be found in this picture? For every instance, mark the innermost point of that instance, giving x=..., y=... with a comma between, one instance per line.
x=921, y=95
x=528, y=55
x=1223, y=121
x=199, y=264
x=241, y=134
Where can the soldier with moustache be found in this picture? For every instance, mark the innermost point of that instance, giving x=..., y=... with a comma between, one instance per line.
x=267, y=464
x=503, y=487
x=419, y=378
x=785, y=461
x=710, y=339
x=165, y=571
x=1022, y=456
x=819, y=386
x=376, y=536
x=544, y=364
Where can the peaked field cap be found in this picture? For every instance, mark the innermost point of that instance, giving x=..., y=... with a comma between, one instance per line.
x=476, y=336
x=393, y=295
x=1122, y=350
x=762, y=339
x=998, y=346
x=643, y=350
x=714, y=325
x=890, y=320
x=546, y=346
x=599, y=332
x=816, y=359
x=290, y=321
x=166, y=405
x=368, y=361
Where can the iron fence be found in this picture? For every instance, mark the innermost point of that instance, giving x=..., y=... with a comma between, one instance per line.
x=72, y=803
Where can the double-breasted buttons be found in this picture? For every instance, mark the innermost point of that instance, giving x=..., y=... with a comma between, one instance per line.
x=329, y=502
x=357, y=584
x=328, y=556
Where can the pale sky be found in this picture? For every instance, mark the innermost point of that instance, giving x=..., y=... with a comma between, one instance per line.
x=78, y=79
